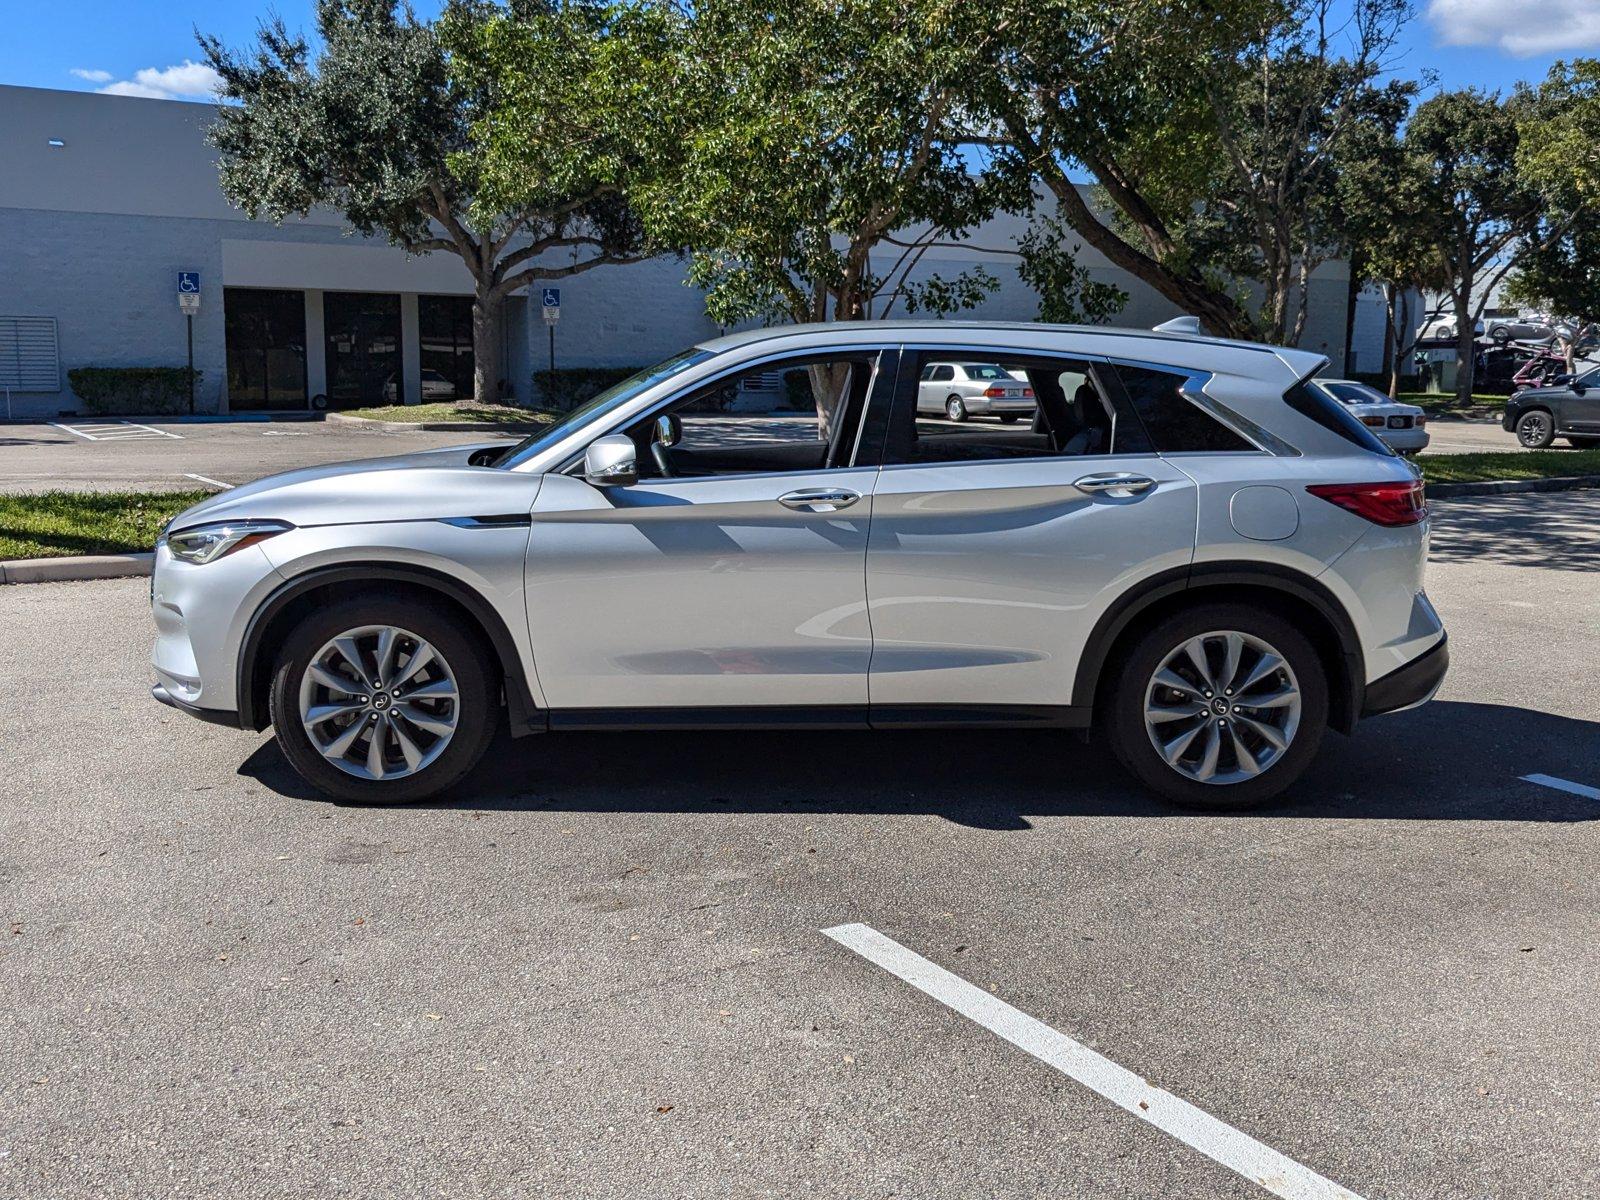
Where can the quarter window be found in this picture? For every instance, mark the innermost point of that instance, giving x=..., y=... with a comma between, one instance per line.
x=1176, y=425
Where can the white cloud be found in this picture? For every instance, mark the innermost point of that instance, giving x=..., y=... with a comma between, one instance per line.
x=188, y=80
x=1519, y=27
x=92, y=76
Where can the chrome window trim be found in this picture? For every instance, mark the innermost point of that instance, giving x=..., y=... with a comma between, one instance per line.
x=1193, y=389
x=575, y=460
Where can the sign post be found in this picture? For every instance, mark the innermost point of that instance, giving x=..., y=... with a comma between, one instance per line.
x=552, y=314
x=188, y=305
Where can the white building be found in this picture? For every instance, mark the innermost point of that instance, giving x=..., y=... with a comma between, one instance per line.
x=105, y=199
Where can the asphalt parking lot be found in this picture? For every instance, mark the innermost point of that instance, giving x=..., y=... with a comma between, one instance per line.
x=107, y=455
x=601, y=970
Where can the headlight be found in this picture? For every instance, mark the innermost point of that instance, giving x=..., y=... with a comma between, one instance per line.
x=205, y=543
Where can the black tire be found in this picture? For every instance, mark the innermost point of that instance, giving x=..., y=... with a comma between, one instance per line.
x=955, y=409
x=1536, y=429
x=1122, y=717
x=1583, y=443
x=477, y=703
x=1501, y=335
x=1008, y=418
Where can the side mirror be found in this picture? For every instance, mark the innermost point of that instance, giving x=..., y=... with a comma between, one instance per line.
x=1579, y=387
x=611, y=461
x=669, y=429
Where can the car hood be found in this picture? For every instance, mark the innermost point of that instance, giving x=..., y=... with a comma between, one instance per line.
x=429, y=485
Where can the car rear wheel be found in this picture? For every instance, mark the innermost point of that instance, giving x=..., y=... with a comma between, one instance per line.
x=1008, y=418
x=1535, y=429
x=383, y=701
x=1220, y=707
x=955, y=409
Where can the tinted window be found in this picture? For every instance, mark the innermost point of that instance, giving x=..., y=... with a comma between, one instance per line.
x=1175, y=424
x=1320, y=407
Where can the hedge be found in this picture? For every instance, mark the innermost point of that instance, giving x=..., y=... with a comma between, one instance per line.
x=567, y=387
x=142, y=390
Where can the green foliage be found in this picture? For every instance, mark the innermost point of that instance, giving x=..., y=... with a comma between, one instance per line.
x=805, y=135
x=58, y=524
x=132, y=390
x=567, y=387
x=1068, y=294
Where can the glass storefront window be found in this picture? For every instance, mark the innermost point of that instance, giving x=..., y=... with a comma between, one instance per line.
x=445, y=327
x=266, y=342
x=363, y=338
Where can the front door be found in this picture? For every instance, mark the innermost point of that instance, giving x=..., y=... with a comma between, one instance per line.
x=732, y=574
x=995, y=547
x=1580, y=411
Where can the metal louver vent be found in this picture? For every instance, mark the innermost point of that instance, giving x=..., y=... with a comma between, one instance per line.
x=29, y=361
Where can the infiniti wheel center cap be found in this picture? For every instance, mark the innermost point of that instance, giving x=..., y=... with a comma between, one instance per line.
x=1221, y=707
x=381, y=701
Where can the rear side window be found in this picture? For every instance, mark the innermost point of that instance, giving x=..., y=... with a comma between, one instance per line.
x=1322, y=408
x=1175, y=424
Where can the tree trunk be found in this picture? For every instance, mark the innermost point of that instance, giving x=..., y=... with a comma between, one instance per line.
x=1391, y=352
x=1466, y=343
x=1352, y=298
x=487, y=311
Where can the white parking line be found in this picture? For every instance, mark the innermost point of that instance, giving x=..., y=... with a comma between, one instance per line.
x=1218, y=1141
x=207, y=479
x=1564, y=785
x=118, y=431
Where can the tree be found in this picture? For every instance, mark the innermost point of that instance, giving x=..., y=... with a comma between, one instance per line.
x=1213, y=134
x=1480, y=211
x=375, y=126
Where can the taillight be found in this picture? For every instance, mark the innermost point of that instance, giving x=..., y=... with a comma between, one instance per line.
x=1028, y=392
x=994, y=391
x=1375, y=422
x=1390, y=504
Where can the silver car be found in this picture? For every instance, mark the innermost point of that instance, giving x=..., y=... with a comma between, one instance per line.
x=1189, y=550
x=959, y=390
x=1402, y=426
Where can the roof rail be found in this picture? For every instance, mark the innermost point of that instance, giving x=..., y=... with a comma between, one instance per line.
x=1183, y=324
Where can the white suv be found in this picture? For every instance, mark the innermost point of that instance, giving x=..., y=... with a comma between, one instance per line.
x=1188, y=549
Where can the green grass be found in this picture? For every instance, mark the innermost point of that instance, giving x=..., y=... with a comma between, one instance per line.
x=1432, y=401
x=471, y=414
x=1512, y=464
x=57, y=524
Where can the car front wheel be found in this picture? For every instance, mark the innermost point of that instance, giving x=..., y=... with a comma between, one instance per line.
x=1535, y=429
x=383, y=701
x=1219, y=707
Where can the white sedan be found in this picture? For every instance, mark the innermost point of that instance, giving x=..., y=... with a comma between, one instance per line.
x=963, y=389
x=1402, y=426
x=434, y=387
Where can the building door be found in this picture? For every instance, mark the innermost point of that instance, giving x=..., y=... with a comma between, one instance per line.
x=363, y=334
x=445, y=326
x=266, y=339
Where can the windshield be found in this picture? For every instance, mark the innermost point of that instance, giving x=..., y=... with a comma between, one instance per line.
x=984, y=371
x=1356, y=393
x=613, y=398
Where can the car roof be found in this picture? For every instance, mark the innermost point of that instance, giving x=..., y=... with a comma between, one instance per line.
x=1195, y=351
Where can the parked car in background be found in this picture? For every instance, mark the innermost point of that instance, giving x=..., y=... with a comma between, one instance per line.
x=961, y=390
x=1402, y=426
x=1189, y=550
x=1441, y=327
x=1570, y=409
x=434, y=387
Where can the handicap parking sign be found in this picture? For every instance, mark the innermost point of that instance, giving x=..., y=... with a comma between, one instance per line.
x=552, y=297
x=189, y=282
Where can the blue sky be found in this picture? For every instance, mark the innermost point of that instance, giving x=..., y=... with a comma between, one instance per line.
x=147, y=47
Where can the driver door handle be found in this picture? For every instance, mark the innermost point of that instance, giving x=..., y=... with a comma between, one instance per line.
x=1116, y=483
x=819, y=500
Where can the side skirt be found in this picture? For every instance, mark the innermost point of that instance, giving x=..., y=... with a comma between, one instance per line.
x=910, y=716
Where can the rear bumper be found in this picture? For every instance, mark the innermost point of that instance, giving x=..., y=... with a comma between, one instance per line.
x=1411, y=685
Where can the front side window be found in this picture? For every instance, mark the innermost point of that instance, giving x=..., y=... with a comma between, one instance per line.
x=1015, y=406
x=796, y=415
x=1175, y=423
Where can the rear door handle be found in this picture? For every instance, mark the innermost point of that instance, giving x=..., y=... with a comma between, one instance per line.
x=819, y=500
x=1115, y=483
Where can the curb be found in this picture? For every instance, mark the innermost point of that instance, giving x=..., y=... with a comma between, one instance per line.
x=87, y=566
x=483, y=427
x=1510, y=487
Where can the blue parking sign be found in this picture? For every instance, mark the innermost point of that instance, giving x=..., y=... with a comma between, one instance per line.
x=189, y=282
x=552, y=297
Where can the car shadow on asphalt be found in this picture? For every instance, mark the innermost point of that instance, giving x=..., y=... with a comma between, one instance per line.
x=1446, y=761
x=1556, y=531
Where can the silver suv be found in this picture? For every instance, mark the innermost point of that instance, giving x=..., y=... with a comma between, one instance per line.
x=1187, y=549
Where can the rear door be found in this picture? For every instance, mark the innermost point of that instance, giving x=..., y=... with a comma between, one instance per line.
x=994, y=549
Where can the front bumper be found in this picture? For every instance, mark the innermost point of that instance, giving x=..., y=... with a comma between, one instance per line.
x=1415, y=683
x=216, y=716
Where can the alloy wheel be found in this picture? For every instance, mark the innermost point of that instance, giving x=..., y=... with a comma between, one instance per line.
x=1533, y=429
x=1222, y=707
x=379, y=702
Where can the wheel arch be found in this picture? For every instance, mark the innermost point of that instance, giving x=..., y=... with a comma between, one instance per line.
x=1314, y=608
x=277, y=613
